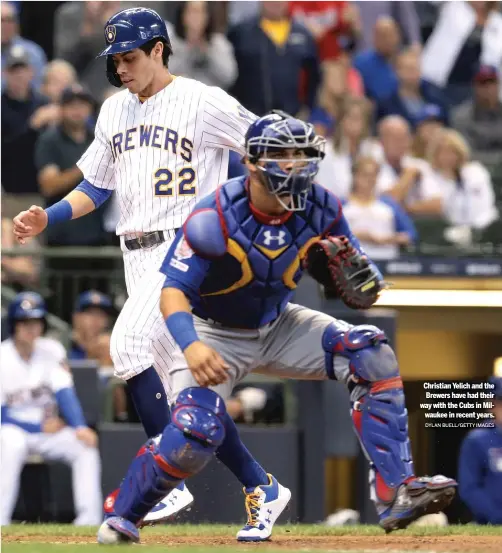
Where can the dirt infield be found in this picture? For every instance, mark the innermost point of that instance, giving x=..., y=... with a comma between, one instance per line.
x=392, y=543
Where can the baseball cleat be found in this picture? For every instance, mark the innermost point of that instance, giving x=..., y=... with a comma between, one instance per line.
x=116, y=530
x=178, y=500
x=421, y=496
x=264, y=504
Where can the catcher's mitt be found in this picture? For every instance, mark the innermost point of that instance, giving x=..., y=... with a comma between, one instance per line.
x=336, y=264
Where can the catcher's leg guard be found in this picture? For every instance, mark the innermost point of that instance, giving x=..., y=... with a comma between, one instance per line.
x=182, y=450
x=377, y=399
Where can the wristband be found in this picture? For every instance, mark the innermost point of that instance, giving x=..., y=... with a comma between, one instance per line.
x=59, y=212
x=182, y=329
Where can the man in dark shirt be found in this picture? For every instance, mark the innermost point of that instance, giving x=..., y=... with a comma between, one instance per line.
x=24, y=114
x=57, y=151
x=274, y=53
x=480, y=119
x=413, y=93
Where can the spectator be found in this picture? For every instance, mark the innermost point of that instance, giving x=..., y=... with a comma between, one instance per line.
x=12, y=40
x=413, y=93
x=58, y=75
x=93, y=315
x=465, y=186
x=198, y=51
x=466, y=34
x=480, y=466
x=403, y=13
x=57, y=151
x=79, y=37
x=272, y=53
x=480, y=120
x=376, y=65
x=428, y=122
x=20, y=270
x=402, y=176
x=379, y=223
x=340, y=80
x=24, y=114
x=351, y=139
x=37, y=393
x=334, y=25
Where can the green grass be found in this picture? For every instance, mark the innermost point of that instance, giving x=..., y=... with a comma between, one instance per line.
x=44, y=538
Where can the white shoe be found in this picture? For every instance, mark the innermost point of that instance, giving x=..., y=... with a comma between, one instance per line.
x=175, y=502
x=264, y=504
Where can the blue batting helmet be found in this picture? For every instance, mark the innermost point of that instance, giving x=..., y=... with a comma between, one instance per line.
x=279, y=132
x=130, y=29
x=26, y=305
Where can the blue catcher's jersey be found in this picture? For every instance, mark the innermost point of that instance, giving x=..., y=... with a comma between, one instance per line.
x=241, y=267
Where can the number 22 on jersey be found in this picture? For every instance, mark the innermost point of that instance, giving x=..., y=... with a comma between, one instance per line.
x=165, y=183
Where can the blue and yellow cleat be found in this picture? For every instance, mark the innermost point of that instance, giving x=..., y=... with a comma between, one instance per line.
x=117, y=530
x=421, y=496
x=264, y=504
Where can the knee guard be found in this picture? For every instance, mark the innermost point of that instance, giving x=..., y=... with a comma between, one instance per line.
x=182, y=450
x=377, y=399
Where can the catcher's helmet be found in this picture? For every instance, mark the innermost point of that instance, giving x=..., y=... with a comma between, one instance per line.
x=26, y=305
x=130, y=29
x=278, y=132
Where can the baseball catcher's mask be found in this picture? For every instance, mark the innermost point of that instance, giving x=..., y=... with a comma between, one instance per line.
x=279, y=133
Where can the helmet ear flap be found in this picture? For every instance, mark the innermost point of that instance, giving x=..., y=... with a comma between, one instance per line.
x=111, y=73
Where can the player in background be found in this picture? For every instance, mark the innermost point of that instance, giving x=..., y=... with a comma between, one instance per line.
x=161, y=143
x=36, y=385
x=230, y=276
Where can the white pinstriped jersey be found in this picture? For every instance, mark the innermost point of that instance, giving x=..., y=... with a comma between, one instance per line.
x=28, y=387
x=161, y=156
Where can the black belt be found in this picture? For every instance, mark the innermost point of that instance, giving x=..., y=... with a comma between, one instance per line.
x=147, y=240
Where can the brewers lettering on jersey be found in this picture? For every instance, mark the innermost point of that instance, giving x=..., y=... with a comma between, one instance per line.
x=163, y=154
x=161, y=144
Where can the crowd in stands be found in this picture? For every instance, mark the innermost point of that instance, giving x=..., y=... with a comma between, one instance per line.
x=367, y=75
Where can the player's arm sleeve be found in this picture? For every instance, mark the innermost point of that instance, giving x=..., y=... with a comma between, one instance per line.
x=225, y=121
x=470, y=480
x=96, y=194
x=183, y=268
x=340, y=227
x=7, y=418
x=97, y=162
x=62, y=387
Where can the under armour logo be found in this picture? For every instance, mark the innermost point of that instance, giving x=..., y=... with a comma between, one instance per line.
x=403, y=500
x=269, y=237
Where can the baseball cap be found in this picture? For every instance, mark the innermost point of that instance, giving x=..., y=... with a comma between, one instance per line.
x=486, y=74
x=430, y=112
x=93, y=298
x=76, y=91
x=17, y=57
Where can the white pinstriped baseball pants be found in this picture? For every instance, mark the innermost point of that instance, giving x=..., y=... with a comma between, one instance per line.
x=140, y=338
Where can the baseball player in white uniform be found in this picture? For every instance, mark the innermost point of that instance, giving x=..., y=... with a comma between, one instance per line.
x=161, y=143
x=36, y=385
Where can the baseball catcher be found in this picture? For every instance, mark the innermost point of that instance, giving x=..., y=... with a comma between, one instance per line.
x=230, y=277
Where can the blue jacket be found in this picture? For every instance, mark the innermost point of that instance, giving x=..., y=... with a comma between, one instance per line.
x=269, y=76
x=480, y=474
x=379, y=77
x=395, y=105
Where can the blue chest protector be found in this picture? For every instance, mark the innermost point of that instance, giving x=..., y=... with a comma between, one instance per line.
x=250, y=285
